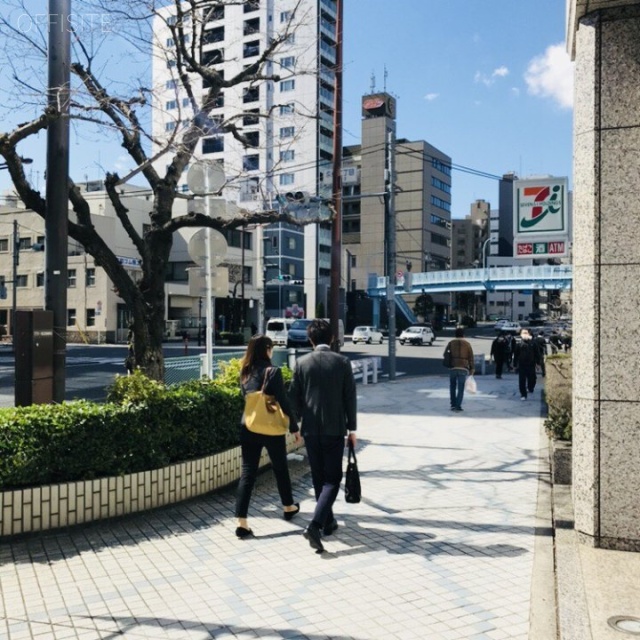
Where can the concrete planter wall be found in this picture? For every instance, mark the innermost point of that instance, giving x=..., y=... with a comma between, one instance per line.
x=560, y=452
x=61, y=505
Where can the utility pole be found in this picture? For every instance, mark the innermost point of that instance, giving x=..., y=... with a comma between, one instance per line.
x=336, y=226
x=57, y=194
x=16, y=262
x=390, y=242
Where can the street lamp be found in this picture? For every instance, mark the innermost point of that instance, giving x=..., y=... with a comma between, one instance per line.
x=5, y=165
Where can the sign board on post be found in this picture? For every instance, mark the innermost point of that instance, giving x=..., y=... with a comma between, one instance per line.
x=541, y=225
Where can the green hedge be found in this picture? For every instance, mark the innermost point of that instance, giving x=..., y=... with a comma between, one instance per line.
x=558, y=395
x=142, y=426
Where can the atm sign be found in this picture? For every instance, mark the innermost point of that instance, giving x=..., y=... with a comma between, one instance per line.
x=541, y=249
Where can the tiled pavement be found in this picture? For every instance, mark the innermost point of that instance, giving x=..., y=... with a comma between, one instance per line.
x=442, y=546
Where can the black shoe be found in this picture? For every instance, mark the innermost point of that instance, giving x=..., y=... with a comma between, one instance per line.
x=312, y=534
x=288, y=515
x=243, y=533
x=330, y=528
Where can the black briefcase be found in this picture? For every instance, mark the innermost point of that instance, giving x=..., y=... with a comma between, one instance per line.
x=352, y=492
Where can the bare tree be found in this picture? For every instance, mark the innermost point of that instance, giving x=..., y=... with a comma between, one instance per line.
x=102, y=104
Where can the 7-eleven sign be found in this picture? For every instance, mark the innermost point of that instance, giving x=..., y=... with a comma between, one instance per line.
x=540, y=207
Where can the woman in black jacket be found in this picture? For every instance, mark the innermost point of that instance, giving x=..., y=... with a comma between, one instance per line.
x=256, y=371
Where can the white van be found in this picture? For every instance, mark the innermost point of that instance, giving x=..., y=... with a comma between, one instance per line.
x=278, y=330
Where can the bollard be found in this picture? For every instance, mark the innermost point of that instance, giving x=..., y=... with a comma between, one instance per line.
x=374, y=371
x=291, y=358
x=365, y=371
x=479, y=364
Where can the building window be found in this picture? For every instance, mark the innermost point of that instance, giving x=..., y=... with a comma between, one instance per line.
x=288, y=62
x=215, y=56
x=216, y=12
x=251, y=94
x=24, y=243
x=171, y=42
x=287, y=85
x=171, y=64
x=170, y=126
x=441, y=240
x=90, y=277
x=287, y=132
x=440, y=203
x=251, y=117
x=4, y=245
x=213, y=145
x=251, y=26
x=186, y=102
x=40, y=279
x=441, y=222
x=71, y=278
x=71, y=317
x=441, y=166
x=291, y=242
x=286, y=179
x=91, y=318
x=251, y=5
x=171, y=104
x=22, y=281
x=213, y=35
x=172, y=84
x=285, y=16
x=251, y=163
x=287, y=156
x=286, y=109
x=439, y=184
x=251, y=49
x=253, y=139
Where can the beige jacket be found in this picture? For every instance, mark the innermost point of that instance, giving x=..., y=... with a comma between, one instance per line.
x=461, y=355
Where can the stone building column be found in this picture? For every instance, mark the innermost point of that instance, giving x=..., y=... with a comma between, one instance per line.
x=605, y=43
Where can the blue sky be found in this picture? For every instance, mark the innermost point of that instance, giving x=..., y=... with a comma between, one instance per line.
x=486, y=81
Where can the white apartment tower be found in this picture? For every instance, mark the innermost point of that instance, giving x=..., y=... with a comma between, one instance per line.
x=286, y=123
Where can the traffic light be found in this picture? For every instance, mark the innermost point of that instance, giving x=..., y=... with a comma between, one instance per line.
x=284, y=276
x=297, y=197
x=297, y=282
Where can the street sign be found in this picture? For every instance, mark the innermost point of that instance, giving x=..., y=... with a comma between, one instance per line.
x=205, y=177
x=198, y=246
x=553, y=249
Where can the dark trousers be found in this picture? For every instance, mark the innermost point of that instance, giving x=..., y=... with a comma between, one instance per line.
x=325, y=459
x=499, y=365
x=251, y=445
x=527, y=380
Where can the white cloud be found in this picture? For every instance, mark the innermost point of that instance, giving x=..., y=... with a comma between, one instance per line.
x=515, y=91
x=431, y=96
x=500, y=72
x=551, y=76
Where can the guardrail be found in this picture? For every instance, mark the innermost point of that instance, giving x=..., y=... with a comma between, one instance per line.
x=364, y=367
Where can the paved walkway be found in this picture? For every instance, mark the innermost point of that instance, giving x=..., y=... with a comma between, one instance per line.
x=443, y=546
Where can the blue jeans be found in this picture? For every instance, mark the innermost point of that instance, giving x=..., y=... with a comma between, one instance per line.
x=457, y=378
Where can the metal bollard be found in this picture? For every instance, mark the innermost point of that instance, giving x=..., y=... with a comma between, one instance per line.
x=374, y=371
x=365, y=371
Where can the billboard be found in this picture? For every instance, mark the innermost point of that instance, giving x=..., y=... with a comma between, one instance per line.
x=540, y=218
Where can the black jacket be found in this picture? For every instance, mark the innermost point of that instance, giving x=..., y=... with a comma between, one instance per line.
x=274, y=387
x=500, y=348
x=323, y=393
x=527, y=354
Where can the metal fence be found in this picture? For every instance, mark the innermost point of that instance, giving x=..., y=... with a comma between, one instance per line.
x=178, y=370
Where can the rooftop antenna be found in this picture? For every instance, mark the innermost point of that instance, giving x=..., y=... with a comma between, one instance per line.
x=373, y=82
x=385, y=78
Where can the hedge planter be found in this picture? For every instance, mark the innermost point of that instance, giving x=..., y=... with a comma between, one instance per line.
x=560, y=453
x=60, y=505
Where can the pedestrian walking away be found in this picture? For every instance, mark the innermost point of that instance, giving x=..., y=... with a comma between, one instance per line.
x=257, y=373
x=459, y=354
x=541, y=343
x=500, y=353
x=527, y=358
x=323, y=394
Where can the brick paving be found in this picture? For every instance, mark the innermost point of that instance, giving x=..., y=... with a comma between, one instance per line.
x=441, y=548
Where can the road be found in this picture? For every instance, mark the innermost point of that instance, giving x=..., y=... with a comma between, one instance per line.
x=90, y=369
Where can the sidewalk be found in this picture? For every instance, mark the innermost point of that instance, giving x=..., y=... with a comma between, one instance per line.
x=452, y=541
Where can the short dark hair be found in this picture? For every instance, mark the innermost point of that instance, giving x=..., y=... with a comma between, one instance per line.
x=319, y=332
x=459, y=332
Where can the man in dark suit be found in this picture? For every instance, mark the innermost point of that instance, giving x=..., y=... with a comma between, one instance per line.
x=323, y=394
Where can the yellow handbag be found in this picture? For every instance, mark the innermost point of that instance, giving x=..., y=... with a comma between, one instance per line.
x=263, y=414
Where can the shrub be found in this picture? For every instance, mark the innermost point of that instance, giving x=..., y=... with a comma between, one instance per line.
x=558, y=395
x=232, y=338
x=468, y=321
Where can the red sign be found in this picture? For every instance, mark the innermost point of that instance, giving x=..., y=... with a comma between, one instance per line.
x=373, y=103
x=524, y=248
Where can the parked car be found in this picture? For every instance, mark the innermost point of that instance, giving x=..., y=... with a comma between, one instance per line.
x=297, y=336
x=417, y=334
x=507, y=326
x=366, y=334
x=537, y=319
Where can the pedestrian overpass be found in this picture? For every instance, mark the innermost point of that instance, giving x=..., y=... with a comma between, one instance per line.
x=546, y=277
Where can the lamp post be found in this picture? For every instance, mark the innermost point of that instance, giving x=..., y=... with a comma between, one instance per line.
x=484, y=252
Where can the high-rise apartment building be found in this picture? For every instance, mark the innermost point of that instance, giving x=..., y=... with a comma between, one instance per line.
x=273, y=136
